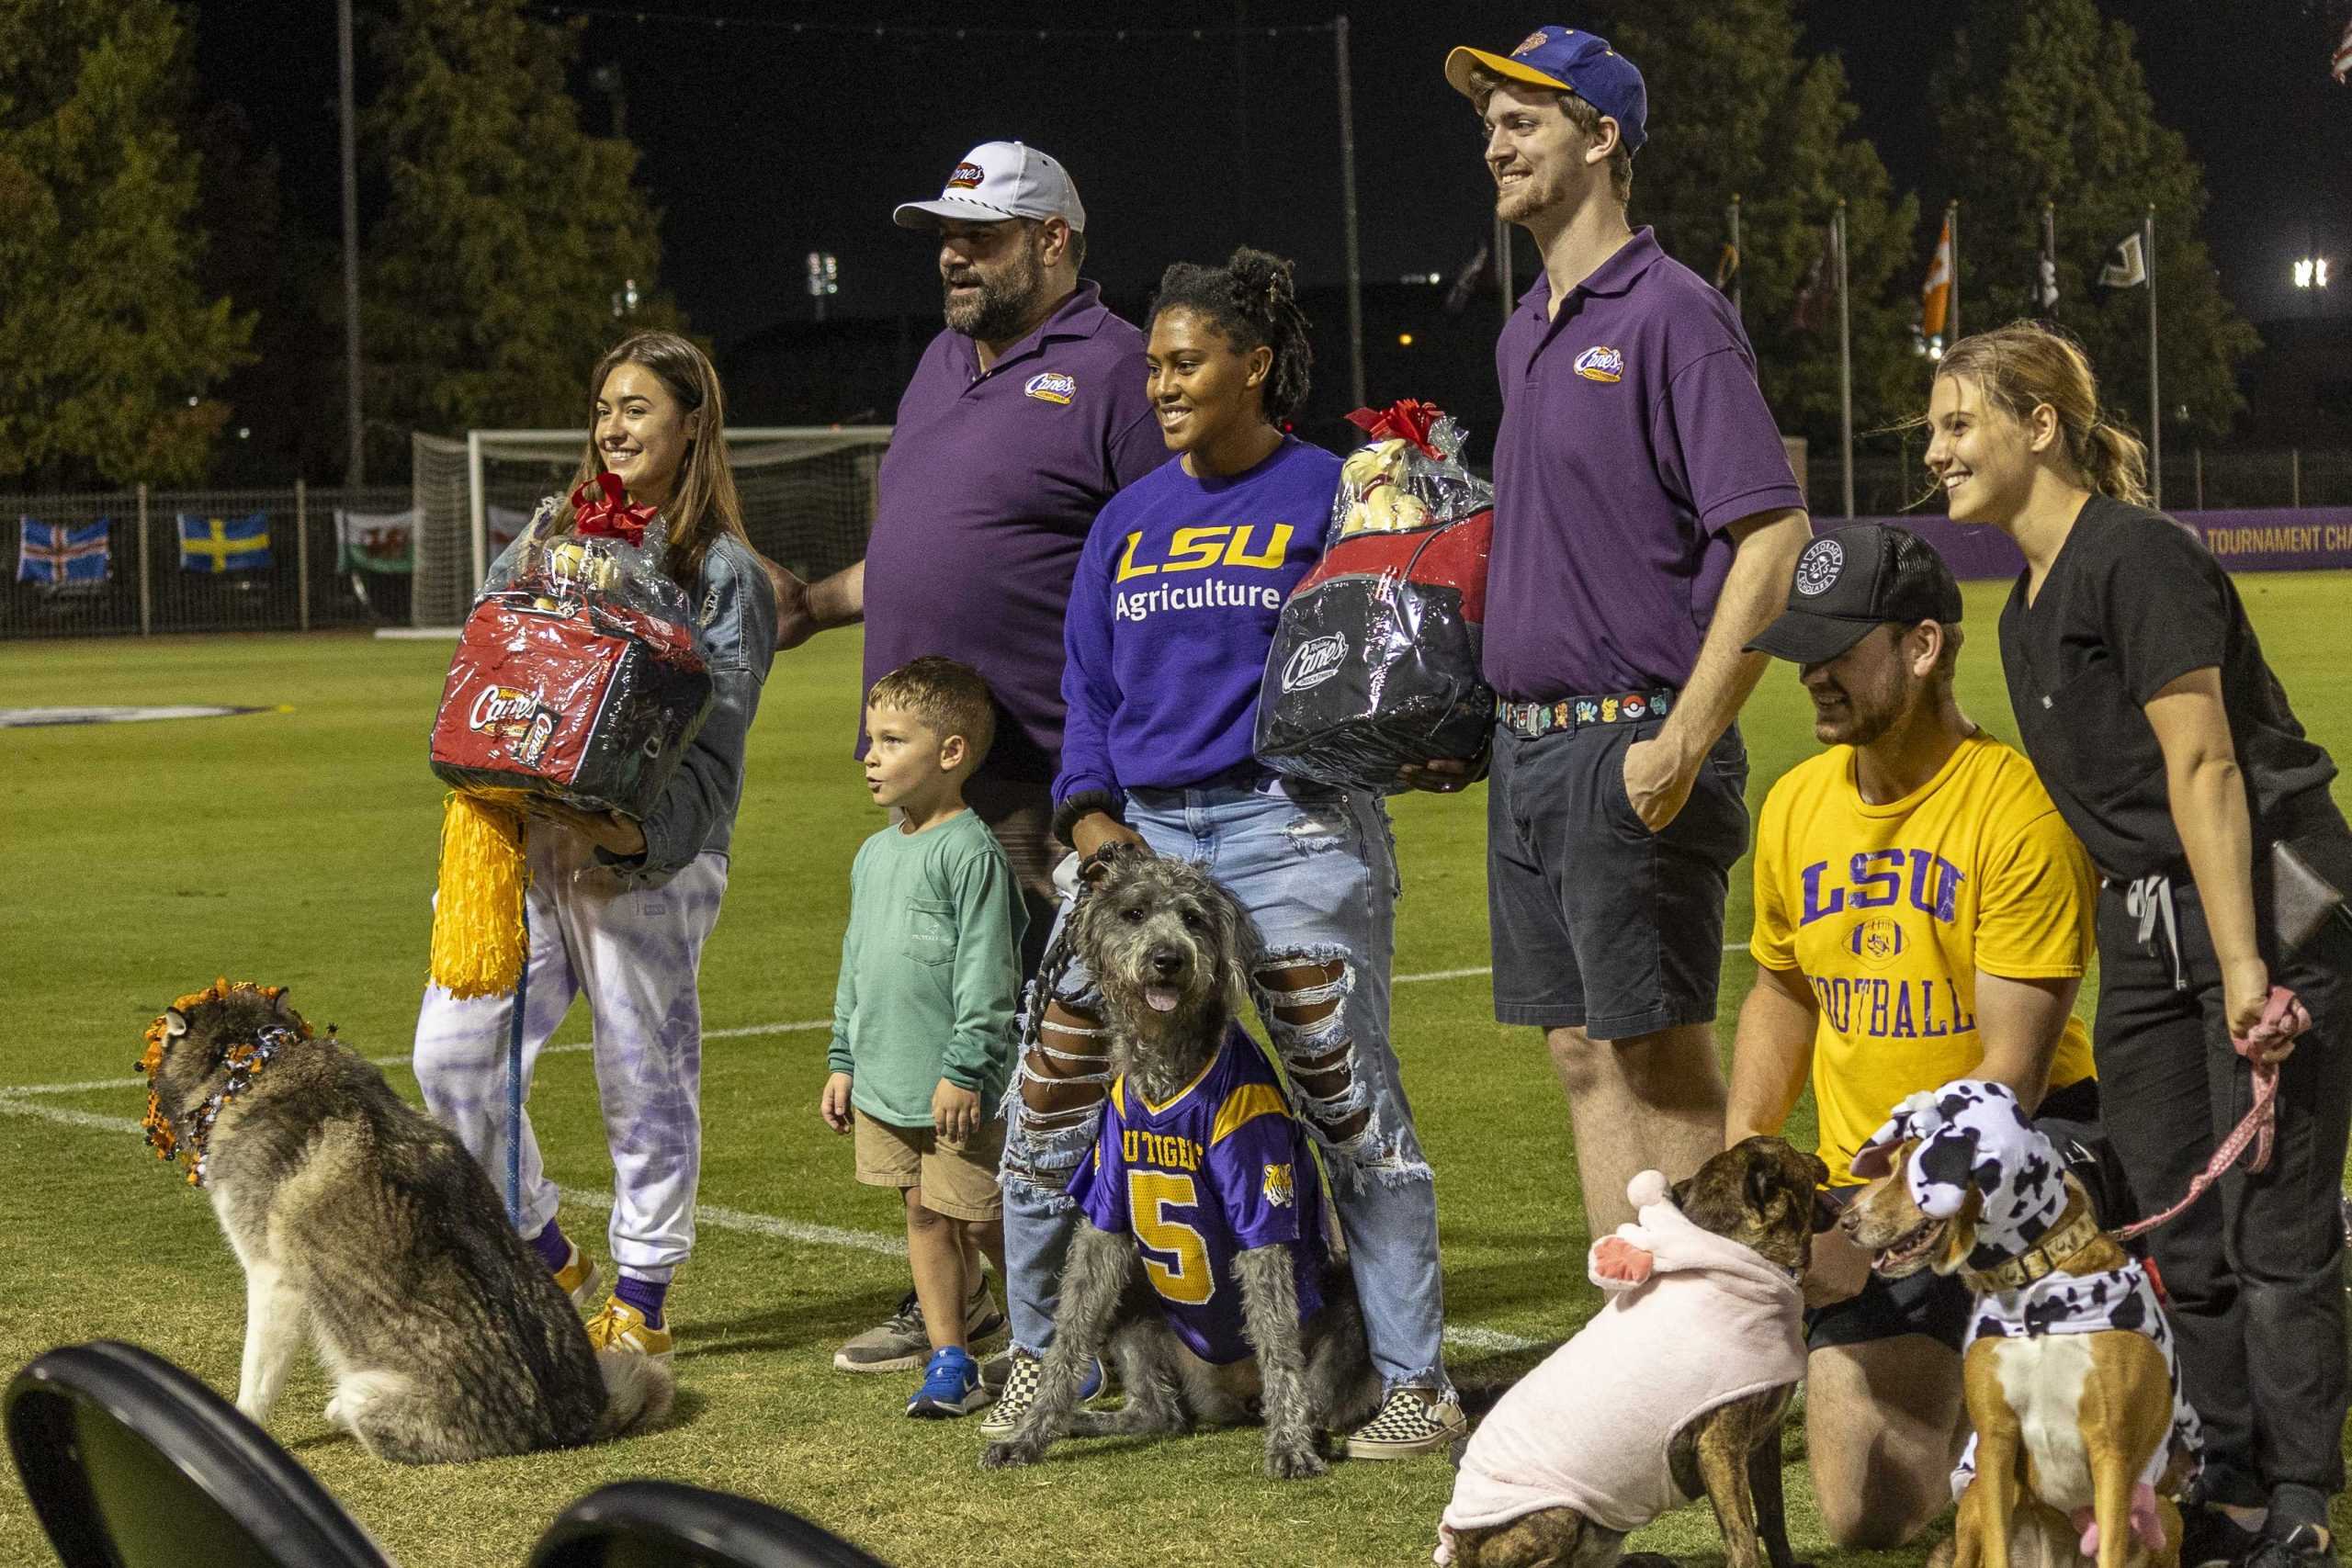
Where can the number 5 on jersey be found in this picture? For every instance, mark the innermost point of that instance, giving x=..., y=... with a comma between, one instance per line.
x=1151, y=1194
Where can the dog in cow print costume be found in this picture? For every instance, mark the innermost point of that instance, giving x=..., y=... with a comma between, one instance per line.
x=1972, y=1137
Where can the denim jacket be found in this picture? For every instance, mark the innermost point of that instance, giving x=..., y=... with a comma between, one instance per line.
x=735, y=611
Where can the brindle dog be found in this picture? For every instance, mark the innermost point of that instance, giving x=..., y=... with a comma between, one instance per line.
x=1172, y=951
x=1762, y=1193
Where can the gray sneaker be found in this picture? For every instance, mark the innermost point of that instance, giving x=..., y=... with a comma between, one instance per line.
x=900, y=1343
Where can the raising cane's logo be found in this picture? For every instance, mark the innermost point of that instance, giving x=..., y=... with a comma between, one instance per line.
x=1601, y=363
x=967, y=176
x=1316, y=661
x=517, y=715
x=1052, y=387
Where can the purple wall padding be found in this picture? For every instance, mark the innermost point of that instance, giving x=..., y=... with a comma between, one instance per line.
x=2311, y=539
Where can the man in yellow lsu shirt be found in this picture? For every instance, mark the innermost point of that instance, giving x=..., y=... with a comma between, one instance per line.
x=1922, y=914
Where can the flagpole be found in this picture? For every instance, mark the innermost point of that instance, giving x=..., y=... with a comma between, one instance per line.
x=2155, y=405
x=2049, y=254
x=1737, y=261
x=1951, y=313
x=1506, y=284
x=1348, y=208
x=1844, y=370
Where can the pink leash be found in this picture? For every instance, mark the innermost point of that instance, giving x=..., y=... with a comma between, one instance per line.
x=2270, y=1042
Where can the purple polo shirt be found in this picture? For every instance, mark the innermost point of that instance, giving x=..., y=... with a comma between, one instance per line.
x=984, y=501
x=1633, y=434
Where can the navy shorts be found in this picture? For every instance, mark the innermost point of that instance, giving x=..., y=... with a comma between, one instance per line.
x=1598, y=922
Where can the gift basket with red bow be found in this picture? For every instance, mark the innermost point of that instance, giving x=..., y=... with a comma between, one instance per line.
x=1376, y=663
x=577, y=680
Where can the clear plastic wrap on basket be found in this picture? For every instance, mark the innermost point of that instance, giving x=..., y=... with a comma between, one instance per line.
x=1376, y=663
x=578, y=674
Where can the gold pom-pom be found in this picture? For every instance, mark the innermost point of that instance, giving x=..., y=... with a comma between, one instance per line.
x=478, y=938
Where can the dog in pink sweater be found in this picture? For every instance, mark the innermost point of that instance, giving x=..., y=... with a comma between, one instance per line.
x=1675, y=1389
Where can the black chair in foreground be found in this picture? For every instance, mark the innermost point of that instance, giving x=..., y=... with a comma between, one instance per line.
x=132, y=1464
x=661, y=1523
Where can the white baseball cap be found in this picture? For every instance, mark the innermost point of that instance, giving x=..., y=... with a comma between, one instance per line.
x=998, y=180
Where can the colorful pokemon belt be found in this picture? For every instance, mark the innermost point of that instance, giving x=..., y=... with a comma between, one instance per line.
x=1532, y=719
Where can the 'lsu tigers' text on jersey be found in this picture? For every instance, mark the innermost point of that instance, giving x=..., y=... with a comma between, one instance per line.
x=1219, y=1169
x=1890, y=912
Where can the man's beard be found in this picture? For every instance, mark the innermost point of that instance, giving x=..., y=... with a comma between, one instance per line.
x=1003, y=305
x=1859, y=725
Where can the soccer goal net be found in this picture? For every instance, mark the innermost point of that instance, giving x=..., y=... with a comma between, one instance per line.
x=807, y=500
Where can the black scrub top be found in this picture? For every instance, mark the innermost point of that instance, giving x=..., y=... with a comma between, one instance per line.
x=2133, y=602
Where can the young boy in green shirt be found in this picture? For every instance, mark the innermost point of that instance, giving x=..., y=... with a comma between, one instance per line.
x=924, y=1031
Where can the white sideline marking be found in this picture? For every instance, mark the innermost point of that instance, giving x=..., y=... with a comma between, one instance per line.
x=13, y=1103
x=740, y=1032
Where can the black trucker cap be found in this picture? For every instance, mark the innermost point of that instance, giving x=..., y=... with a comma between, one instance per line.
x=1853, y=579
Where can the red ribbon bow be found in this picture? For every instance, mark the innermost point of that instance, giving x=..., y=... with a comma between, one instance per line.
x=601, y=506
x=1407, y=419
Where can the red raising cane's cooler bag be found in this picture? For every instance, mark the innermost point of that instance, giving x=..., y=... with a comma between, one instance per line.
x=1376, y=663
x=577, y=673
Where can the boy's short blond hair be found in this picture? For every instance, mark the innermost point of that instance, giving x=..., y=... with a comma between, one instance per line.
x=949, y=697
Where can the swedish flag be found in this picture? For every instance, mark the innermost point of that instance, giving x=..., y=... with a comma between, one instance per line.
x=224, y=544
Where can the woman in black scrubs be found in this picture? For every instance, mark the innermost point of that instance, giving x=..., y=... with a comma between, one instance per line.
x=2142, y=698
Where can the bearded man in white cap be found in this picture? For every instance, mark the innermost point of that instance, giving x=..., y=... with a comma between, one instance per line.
x=1022, y=419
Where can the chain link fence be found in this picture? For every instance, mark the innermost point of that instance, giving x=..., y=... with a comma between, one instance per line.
x=148, y=561
x=153, y=561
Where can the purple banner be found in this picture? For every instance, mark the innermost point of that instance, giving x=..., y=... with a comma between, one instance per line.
x=2310, y=538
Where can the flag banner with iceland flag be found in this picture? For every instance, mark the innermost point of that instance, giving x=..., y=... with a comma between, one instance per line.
x=57, y=554
x=215, y=545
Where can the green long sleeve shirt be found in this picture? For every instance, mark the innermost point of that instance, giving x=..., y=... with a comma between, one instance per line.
x=931, y=970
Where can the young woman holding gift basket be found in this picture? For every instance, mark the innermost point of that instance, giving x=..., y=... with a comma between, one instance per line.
x=1172, y=614
x=618, y=903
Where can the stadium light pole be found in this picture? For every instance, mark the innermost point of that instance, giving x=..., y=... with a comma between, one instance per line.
x=1347, y=204
x=354, y=463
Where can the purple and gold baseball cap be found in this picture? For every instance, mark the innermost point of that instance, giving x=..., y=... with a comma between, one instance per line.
x=1570, y=62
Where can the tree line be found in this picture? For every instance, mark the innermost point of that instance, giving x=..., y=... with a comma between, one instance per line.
x=157, y=292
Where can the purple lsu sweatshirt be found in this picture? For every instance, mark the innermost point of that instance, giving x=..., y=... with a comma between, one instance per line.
x=1171, y=612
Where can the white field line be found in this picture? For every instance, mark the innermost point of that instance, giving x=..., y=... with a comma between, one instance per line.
x=14, y=1103
x=741, y=1032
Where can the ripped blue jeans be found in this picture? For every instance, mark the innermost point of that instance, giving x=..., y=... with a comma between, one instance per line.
x=1318, y=872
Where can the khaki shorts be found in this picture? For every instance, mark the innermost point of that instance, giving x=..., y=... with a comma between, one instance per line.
x=958, y=1179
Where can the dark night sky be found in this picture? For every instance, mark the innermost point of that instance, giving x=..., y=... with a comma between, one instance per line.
x=761, y=145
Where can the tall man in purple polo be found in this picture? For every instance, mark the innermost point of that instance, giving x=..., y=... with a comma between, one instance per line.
x=1645, y=525
x=1022, y=419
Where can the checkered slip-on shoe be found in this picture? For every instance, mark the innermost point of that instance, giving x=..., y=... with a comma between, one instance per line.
x=1410, y=1421
x=620, y=1327
x=900, y=1343
x=577, y=1277
x=1022, y=1373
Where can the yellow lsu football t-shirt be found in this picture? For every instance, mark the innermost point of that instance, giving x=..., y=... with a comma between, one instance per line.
x=1889, y=911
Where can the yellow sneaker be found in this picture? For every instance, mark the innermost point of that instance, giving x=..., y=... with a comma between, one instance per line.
x=620, y=1327
x=577, y=1277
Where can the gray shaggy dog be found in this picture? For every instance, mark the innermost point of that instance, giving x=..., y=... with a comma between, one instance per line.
x=1171, y=953
x=365, y=1228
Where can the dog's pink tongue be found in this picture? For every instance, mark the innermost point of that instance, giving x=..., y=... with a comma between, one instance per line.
x=1162, y=998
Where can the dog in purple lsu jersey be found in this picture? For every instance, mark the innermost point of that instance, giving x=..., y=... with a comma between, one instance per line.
x=1200, y=1262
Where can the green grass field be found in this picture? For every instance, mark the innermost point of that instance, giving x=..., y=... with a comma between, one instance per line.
x=298, y=848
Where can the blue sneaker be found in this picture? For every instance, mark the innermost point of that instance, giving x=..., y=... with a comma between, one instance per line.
x=951, y=1387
